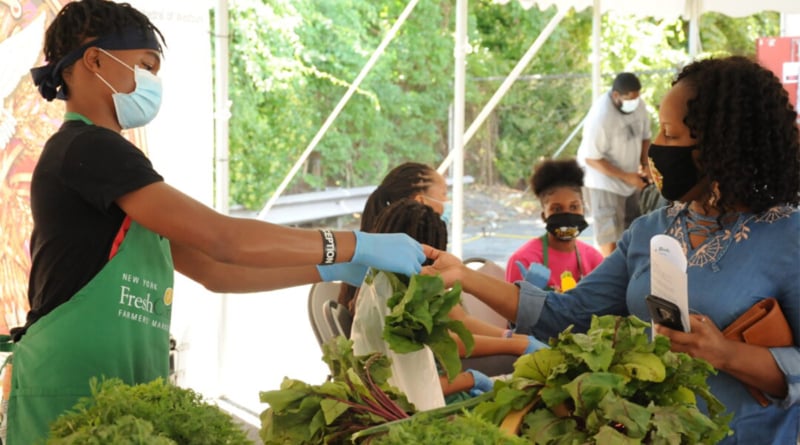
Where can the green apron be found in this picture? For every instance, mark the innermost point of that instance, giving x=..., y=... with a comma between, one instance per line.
x=115, y=326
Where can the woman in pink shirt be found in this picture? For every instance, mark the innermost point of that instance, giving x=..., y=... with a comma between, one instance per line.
x=545, y=261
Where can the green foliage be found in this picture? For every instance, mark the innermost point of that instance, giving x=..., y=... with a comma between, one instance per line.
x=356, y=396
x=610, y=385
x=418, y=317
x=293, y=60
x=464, y=429
x=151, y=413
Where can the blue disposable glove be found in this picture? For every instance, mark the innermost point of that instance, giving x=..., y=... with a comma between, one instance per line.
x=534, y=345
x=482, y=383
x=395, y=252
x=536, y=274
x=351, y=273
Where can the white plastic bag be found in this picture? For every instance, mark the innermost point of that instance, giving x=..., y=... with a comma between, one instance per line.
x=413, y=373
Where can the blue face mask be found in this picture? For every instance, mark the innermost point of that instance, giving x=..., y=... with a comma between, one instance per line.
x=447, y=212
x=447, y=209
x=139, y=107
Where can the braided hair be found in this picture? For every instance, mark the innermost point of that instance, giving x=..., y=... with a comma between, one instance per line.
x=404, y=181
x=417, y=220
x=551, y=174
x=746, y=132
x=82, y=20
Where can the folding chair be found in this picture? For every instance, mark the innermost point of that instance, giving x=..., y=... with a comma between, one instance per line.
x=318, y=296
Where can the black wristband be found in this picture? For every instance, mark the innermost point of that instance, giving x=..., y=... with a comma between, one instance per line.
x=328, y=247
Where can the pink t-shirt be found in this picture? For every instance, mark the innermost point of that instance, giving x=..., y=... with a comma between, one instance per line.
x=558, y=262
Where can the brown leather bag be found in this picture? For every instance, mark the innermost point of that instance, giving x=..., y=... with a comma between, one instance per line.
x=763, y=325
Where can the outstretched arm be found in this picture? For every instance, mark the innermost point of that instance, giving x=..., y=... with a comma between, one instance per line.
x=501, y=296
x=253, y=243
x=224, y=278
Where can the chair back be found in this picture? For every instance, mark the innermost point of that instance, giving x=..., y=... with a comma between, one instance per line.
x=318, y=296
x=472, y=304
x=338, y=317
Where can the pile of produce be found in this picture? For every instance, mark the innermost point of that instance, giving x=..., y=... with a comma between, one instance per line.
x=610, y=385
x=355, y=397
x=419, y=317
x=155, y=413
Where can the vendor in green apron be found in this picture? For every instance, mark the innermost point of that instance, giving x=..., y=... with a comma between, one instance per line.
x=108, y=232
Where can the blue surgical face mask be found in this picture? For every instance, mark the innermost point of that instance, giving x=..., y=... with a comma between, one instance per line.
x=447, y=208
x=447, y=212
x=139, y=107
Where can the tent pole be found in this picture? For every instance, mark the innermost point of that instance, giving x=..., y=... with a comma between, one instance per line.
x=222, y=116
x=339, y=106
x=459, y=88
x=597, y=23
x=508, y=82
x=694, y=7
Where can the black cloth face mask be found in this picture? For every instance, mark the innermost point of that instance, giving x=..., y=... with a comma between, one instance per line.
x=673, y=169
x=566, y=226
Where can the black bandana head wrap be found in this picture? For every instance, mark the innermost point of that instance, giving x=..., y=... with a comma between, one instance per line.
x=48, y=77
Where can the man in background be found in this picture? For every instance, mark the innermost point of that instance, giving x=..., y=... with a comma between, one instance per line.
x=613, y=152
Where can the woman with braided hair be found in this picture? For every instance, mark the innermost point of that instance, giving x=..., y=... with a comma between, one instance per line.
x=424, y=224
x=728, y=156
x=109, y=232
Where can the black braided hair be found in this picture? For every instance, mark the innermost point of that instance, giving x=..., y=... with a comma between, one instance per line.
x=417, y=220
x=746, y=132
x=83, y=20
x=551, y=174
x=404, y=181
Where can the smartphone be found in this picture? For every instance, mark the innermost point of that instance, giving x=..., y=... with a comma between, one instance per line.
x=665, y=313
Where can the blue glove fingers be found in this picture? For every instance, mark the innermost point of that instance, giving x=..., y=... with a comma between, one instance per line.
x=522, y=269
x=538, y=275
x=482, y=383
x=534, y=345
x=395, y=252
x=350, y=273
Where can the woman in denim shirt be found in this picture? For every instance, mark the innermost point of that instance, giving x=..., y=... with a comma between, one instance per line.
x=728, y=156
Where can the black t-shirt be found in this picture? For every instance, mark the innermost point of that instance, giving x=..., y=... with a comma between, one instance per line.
x=82, y=171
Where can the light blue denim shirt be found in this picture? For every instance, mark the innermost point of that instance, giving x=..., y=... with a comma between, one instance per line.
x=756, y=257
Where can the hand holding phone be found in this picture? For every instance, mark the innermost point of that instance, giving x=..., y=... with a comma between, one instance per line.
x=665, y=313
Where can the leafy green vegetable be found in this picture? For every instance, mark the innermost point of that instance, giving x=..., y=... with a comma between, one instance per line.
x=356, y=396
x=610, y=385
x=419, y=316
x=151, y=413
x=463, y=429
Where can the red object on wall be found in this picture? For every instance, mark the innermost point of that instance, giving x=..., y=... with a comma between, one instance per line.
x=781, y=55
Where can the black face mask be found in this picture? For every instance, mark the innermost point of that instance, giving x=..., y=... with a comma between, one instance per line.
x=566, y=226
x=673, y=169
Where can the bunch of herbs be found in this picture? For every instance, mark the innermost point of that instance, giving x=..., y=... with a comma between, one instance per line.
x=155, y=413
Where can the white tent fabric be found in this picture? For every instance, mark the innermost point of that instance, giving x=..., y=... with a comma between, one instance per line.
x=671, y=8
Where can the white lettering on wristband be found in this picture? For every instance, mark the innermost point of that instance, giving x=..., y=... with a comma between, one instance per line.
x=328, y=247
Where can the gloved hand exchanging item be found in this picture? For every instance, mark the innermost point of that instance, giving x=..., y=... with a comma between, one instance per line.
x=395, y=252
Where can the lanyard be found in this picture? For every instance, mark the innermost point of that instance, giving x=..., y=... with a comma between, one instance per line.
x=73, y=116
x=544, y=239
